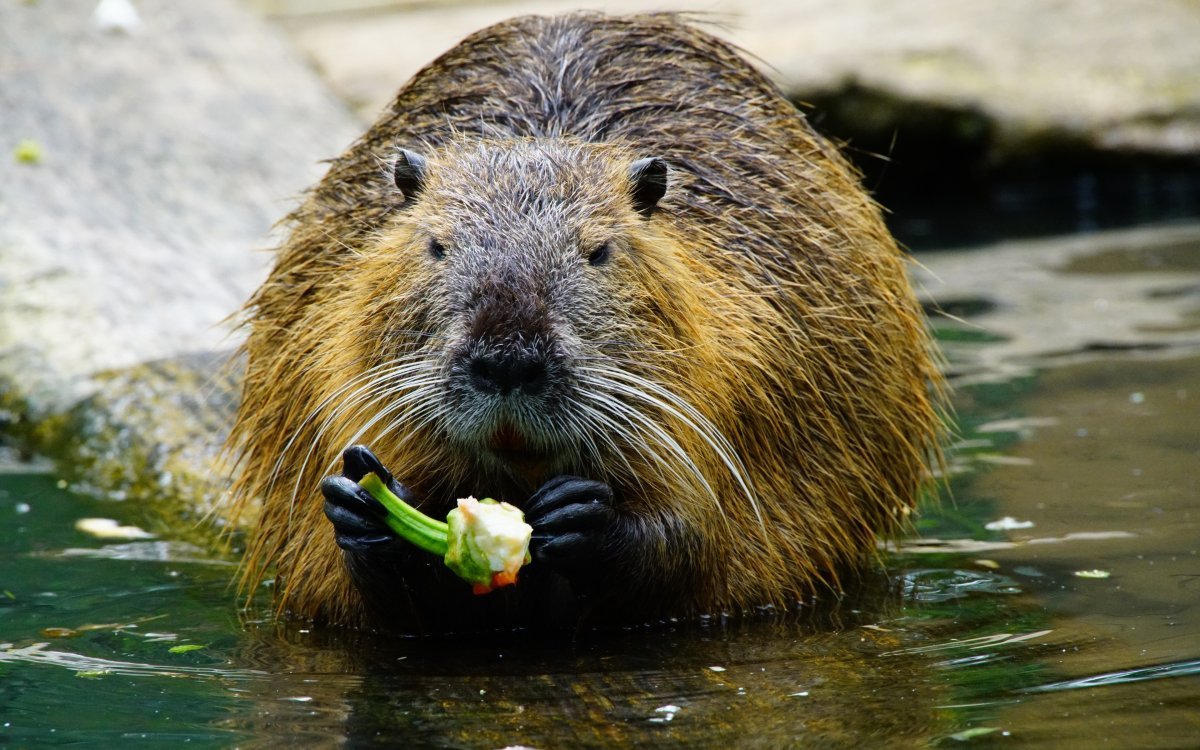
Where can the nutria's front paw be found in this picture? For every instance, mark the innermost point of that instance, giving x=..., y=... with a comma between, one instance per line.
x=572, y=520
x=357, y=517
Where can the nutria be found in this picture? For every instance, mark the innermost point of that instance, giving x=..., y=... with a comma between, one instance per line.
x=600, y=268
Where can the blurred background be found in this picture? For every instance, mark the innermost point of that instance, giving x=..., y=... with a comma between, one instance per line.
x=989, y=119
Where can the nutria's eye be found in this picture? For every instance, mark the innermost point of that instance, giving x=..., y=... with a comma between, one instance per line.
x=600, y=255
x=437, y=250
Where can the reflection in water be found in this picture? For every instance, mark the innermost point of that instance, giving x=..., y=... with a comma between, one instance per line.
x=1179, y=669
x=766, y=681
x=855, y=670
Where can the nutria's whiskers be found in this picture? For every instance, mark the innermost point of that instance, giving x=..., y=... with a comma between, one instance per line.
x=285, y=453
x=382, y=383
x=616, y=382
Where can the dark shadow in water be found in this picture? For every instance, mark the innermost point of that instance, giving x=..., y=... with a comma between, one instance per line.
x=813, y=680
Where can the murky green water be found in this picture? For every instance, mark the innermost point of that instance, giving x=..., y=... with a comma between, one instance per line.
x=1077, y=625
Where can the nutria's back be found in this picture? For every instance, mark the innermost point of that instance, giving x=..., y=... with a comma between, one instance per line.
x=745, y=367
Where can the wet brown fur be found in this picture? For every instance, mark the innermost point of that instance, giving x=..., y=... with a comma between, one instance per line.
x=765, y=291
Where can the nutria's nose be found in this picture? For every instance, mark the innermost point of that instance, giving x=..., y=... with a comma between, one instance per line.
x=505, y=373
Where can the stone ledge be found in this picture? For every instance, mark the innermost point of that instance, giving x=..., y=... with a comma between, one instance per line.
x=167, y=155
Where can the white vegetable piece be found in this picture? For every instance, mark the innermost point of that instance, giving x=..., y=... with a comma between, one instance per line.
x=499, y=531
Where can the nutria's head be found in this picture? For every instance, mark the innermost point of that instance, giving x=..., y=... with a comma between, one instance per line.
x=506, y=299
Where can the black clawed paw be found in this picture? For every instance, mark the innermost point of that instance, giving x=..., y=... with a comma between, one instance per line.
x=572, y=519
x=357, y=517
x=358, y=461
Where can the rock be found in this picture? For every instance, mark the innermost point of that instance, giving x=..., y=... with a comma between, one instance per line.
x=151, y=434
x=1117, y=75
x=166, y=150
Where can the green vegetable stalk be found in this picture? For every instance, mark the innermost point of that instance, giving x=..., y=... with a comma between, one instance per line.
x=484, y=542
x=427, y=533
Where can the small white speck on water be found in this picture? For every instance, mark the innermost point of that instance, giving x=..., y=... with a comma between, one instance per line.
x=665, y=713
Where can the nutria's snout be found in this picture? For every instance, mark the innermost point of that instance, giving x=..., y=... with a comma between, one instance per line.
x=506, y=324
x=504, y=372
x=520, y=378
x=507, y=394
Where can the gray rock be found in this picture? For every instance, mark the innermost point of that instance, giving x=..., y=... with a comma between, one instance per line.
x=166, y=155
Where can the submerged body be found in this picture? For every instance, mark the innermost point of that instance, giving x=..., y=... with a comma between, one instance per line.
x=600, y=269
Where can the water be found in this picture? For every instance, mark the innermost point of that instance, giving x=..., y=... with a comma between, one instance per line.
x=1076, y=623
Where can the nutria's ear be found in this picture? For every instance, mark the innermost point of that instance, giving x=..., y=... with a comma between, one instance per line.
x=409, y=173
x=649, y=178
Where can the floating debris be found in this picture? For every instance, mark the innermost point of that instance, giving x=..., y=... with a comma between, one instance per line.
x=970, y=734
x=1008, y=523
x=145, y=551
x=59, y=632
x=184, y=648
x=108, y=528
x=999, y=459
x=37, y=653
x=665, y=713
x=1020, y=424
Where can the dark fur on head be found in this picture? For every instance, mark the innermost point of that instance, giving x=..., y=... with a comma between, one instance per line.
x=608, y=247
